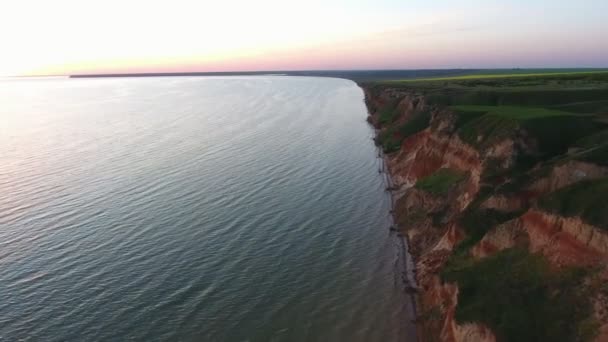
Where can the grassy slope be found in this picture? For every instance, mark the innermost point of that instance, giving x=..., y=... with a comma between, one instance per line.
x=391, y=138
x=517, y=295
x=556, y=108
x=441, y=181
x=585, y=199
x=511, y=112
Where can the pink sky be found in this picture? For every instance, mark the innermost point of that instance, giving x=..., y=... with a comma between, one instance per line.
x=68, y=36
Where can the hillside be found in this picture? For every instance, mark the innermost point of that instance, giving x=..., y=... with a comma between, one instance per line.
x=501, y=190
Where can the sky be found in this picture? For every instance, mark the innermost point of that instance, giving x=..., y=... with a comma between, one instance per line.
x=62, y=37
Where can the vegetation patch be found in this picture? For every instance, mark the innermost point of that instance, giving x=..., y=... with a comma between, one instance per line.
x=486, y=130
x=556, y=134
x=391, y=138
x=416, y=124
x=553, y=130
x=517, y=295
x=388, y=113
x=507, y=74
x=575, y=92
x=585, y=199
x=550, y=127
x=594, y=107
x=476, y=222
x=593, y=140
x=597, y=155
x=441, y=181
x=464, y=116
x=512, y=112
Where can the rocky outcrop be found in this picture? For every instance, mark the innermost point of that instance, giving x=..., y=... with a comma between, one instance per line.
x=565, y=174
x=427, y=151
x=506, y=203
x=405, y=104
x=504, y=236
x=564, y=241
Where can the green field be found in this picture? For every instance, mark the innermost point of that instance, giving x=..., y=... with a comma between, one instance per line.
x=506, y=74
x=557, y=108
x=510, y=112
x=580, y=92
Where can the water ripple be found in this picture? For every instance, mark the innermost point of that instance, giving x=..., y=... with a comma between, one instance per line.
x=215, y=209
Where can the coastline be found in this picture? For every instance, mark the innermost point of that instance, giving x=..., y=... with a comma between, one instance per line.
x=479, y=184
x=407, y=262
x=395, y=193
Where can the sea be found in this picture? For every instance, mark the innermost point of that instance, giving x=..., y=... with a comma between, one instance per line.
x=195, y=209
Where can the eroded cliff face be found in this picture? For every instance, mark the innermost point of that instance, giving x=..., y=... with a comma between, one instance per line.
x=566, y=174
x=432, y=221
x=565, y=241
x=429, y=220
x=425, y=152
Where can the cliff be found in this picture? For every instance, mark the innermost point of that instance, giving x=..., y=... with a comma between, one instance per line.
x=505, y=221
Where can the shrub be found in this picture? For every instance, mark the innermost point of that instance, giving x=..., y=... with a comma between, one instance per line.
x=416, y=124
x=441, y=181
x=388, y=140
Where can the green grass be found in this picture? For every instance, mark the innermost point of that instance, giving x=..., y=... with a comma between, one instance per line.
x=392, y=137
x=466, y=116
x=592, y=148
x=553, y=130
x=486, y=130
x=441, y=181
x=555, y=135
x=416, y=124
x=600, y=106
x=500, y=75
x=585, y=199
x=576, y=91
x=388, y=115
x=476, y=222
x=597, y=155
x=540, y=96
x=511, y=112
x=517, y=295
x=389, y=140
x=592, y=140
x=552, y=107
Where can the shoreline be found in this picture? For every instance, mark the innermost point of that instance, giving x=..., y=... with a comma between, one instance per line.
x=482, y=186
x=408, y=271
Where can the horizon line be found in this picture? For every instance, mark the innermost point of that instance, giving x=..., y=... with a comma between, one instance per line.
x=252, y=72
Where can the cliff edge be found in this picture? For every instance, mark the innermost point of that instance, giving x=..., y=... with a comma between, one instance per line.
x=501, y=187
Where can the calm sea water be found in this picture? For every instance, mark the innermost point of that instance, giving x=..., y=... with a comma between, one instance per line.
x=194, y=209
